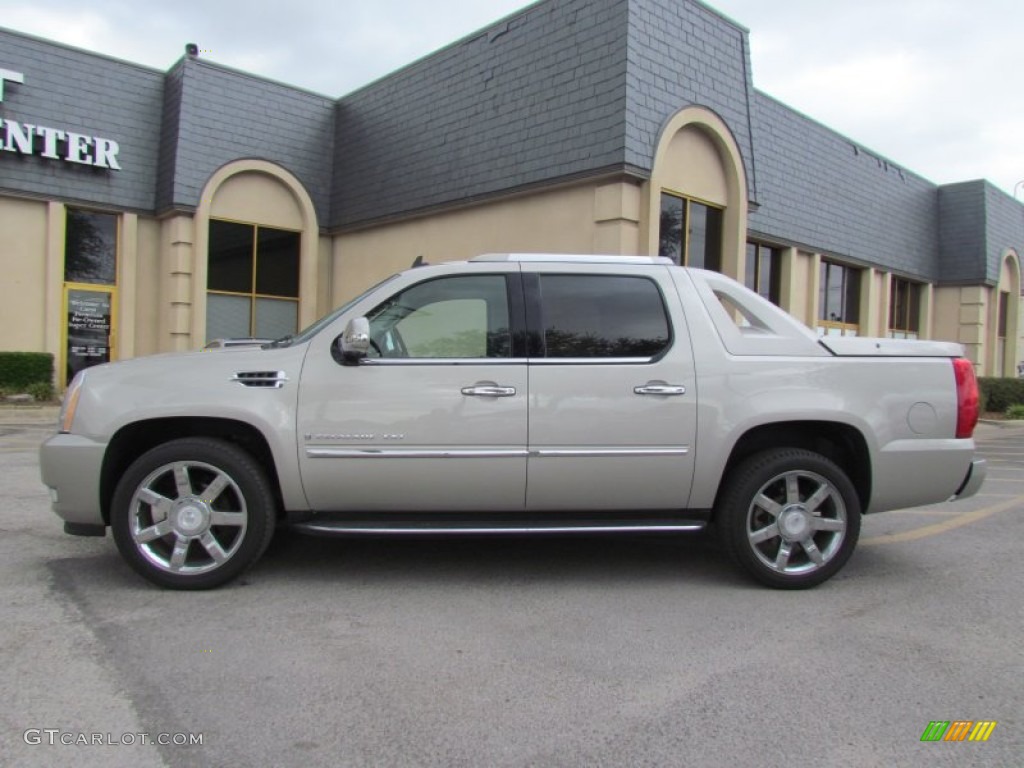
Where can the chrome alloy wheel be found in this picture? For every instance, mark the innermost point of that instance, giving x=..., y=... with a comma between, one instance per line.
x=188, y=517
x=796, y=522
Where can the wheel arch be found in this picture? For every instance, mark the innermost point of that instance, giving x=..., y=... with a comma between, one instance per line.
x=133, y=440
x=841, y=443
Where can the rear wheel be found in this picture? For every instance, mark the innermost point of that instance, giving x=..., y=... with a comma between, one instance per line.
x=193, y=513
x=789, y=517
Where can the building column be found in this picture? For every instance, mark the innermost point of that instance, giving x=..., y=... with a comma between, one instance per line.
x=53, y=310
x=798, y=284
x=926, y=318
x=813, y=290
x=325, y=301
x=176, y=258
x=873, y=297
x=617, y=218
x=127, y=280
x=971, y=332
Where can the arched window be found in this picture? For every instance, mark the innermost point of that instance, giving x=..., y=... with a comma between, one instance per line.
x=257, y=246
x=696, y=208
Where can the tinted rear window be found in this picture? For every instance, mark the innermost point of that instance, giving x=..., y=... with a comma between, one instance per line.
x=602, y=316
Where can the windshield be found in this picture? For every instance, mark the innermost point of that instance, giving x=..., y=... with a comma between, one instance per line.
x=309, y=332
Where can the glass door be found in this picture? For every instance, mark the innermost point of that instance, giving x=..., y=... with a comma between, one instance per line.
x=90, y=287
x=89, y=327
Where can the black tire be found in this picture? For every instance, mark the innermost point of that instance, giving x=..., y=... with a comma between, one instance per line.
x=193, y=513
x=789, y=517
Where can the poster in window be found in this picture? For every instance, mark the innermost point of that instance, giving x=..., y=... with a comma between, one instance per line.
x=88, y=330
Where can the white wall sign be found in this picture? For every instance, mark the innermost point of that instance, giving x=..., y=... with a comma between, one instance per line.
x=56, y=143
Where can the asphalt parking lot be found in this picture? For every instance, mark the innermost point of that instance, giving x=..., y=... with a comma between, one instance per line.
x=590, y=652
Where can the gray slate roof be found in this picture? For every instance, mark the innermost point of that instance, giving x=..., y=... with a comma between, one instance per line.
x=563, y=89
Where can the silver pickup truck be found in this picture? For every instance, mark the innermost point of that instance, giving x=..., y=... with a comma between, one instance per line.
x=517, y=394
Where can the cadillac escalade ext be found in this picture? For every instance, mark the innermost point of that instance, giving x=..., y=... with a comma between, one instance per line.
x=519, y=394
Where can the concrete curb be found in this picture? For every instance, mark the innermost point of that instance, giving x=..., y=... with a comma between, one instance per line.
x=29, y=414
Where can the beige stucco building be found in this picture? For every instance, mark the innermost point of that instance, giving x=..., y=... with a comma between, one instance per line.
x=204, y=202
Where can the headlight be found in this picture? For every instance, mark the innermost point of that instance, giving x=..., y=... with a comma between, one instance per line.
x=70, y=404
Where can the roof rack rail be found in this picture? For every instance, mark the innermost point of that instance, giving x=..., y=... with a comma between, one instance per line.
x=574, y=258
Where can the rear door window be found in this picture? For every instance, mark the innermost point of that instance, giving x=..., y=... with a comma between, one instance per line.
x=602, y=316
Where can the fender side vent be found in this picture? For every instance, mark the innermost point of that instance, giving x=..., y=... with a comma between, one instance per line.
x=264, y=379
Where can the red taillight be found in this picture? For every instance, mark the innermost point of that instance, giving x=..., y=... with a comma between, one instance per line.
x=967, y=401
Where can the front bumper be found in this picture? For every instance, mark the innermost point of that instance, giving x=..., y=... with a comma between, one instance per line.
x=972, y=481
x=70, y=466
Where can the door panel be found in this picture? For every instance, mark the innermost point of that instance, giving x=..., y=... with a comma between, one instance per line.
x=436, y=420
x=611, y=430
x=405, y=437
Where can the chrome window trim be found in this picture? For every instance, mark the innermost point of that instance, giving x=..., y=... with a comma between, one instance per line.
x=595, y=360
x=404, y=361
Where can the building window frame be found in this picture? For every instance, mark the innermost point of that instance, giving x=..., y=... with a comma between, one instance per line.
x=764, y=270
x=904, y=308
x=253, y=293
x=696, y=221
x=89, y=295
x=1003, y=315
x=839, y=289
x=1002, y=350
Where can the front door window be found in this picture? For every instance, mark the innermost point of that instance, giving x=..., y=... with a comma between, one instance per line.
x=455, y=317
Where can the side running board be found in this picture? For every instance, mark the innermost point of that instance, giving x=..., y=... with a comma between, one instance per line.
x=495, y=525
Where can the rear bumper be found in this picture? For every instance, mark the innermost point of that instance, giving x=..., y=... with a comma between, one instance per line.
x=972, y=481
x=918, y=472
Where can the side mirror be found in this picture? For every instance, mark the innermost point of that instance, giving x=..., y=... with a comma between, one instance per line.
x=354, y=343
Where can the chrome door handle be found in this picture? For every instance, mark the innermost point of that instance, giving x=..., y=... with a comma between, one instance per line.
x=488, y=390
x=660, y=389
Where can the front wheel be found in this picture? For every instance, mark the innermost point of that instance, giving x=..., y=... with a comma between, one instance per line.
x=789, y=517
x=193, y=513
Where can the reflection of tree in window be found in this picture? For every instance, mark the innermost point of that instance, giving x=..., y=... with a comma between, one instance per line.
x=570, y=344
x=602, y=316
x=670, y=230
x=690, y=233
x=705, y=247
x=90, y=248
